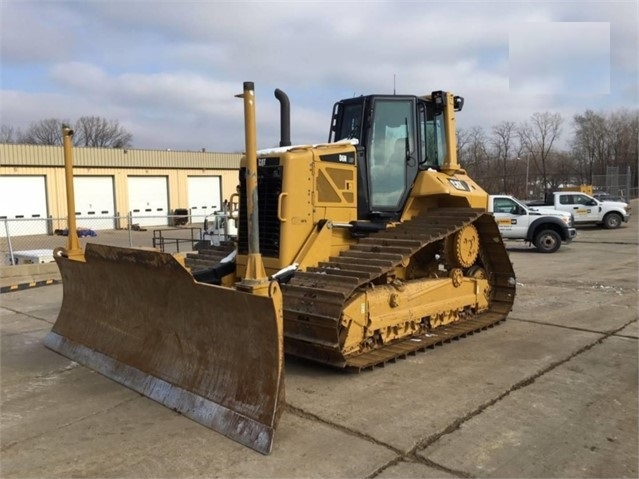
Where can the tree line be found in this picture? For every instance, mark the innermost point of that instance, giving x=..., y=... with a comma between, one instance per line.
x=522, y=159
x=525, y=159
x=91, y=131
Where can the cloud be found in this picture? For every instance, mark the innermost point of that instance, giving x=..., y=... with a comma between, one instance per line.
x=560, y=57
x=168, y=71
x=34, y=32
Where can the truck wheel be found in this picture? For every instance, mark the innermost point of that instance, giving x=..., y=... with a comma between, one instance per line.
x=612, y=221
x=547, y=241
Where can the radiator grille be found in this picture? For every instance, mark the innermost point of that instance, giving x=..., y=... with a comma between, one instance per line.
x=269, y=187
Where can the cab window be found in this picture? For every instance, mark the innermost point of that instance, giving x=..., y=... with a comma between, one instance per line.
x=433, y=144
x=583, y=200
x=504, y=205
x=350, y=125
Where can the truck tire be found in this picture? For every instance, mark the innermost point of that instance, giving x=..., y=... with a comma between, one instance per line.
x=547, y=241
x=612, y=221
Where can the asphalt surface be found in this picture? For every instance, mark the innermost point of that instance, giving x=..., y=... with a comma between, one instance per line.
x=550, y=392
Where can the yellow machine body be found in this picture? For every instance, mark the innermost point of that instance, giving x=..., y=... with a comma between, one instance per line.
x=351, y=253
x=367, y=291
x=314, y=192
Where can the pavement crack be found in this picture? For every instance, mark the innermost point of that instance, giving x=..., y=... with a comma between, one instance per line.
x=575, y=328
x=412, y=455
x=455, y=425
x=22, y=313
x=313, y=417
x=409, y=456
x=13, y=444
x=28, y=331
x=440, y=467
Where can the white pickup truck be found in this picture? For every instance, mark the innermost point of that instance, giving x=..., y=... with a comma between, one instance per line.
x=586, y=209
x=544, y=229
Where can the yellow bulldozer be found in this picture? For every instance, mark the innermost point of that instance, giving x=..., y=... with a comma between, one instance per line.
x=352, y=253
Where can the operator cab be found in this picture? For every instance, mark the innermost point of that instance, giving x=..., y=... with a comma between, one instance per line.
x=398, y=136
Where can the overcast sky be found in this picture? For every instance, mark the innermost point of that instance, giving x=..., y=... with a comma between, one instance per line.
x=168, y=70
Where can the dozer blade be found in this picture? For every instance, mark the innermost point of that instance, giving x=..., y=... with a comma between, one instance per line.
x=214, y=354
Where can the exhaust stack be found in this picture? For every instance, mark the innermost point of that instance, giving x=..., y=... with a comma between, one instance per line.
x=285, y=117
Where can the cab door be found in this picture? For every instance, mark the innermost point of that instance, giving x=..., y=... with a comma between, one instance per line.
x=391, y=147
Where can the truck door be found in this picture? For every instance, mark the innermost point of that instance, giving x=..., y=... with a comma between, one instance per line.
x=584, y=208
x=511, y=218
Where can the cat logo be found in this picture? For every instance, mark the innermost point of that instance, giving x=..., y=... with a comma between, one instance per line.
x=261, y=162
x=343, y=159
x=459, y=185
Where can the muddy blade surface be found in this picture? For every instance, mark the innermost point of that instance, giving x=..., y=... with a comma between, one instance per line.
x=214, y=354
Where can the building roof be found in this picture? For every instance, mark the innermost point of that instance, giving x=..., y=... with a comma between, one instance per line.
x=44, y=155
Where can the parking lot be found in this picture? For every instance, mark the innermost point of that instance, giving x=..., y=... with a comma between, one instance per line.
x=550, y=392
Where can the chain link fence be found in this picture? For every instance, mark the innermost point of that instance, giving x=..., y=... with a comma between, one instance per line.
x=616, y=183
x=32, y=240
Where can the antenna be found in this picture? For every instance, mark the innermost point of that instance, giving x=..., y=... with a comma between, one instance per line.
x=394, y=84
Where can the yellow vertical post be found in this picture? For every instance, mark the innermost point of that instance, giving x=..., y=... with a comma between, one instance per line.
x=74, y=250
x=451, y=164
x=255, y=278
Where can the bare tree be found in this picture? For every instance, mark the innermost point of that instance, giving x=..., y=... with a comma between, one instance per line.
x=503, y=144
x=473, y=155
x=91, y=131
x=99, y=132
x=623, y=131
x=43, y=132
x=538, y=138
x=590, y=143
x=462, y=140
x=606, y=139
x=8, y=134
x=463, y=137
x=564, y=168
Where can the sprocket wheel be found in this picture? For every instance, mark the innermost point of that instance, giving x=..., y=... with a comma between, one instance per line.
x=462, y=248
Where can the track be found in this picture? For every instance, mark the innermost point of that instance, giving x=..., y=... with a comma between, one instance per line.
x=315, y=299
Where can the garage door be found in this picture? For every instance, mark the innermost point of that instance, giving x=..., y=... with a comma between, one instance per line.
x=204, y=195
x=148, y=200
x=23, y=198
x=94, y=202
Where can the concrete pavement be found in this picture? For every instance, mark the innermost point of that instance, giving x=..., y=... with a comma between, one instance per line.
x=551, y=392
